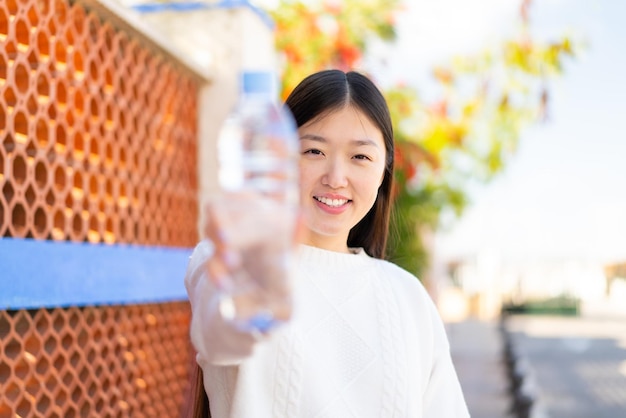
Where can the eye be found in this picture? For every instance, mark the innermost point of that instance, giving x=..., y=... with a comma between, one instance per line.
x=362, y=157
x=312, y=151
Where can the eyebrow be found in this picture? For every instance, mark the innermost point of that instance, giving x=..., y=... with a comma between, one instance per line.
x=358, y=142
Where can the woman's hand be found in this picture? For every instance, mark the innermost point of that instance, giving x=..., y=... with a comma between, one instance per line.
x=254, y=239
x=224, y=260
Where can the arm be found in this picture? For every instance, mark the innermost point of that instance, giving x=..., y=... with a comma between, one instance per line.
x=214, y=338
x=443, y=396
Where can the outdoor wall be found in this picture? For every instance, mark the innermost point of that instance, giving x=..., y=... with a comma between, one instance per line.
x=225, y=38
x=101, y=123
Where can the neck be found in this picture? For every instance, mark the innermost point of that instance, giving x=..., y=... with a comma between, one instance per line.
x=339, y=245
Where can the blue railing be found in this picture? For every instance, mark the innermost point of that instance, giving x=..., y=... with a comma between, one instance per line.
x=190, y=6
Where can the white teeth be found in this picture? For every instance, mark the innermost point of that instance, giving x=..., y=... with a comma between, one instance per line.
x=332, y=202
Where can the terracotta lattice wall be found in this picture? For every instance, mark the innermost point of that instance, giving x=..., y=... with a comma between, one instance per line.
x=97, y=145
x=98, y=132
x=129, y=361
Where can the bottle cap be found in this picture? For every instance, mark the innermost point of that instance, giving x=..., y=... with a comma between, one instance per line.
x=257, y=82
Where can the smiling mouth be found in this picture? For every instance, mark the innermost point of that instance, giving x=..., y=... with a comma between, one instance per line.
x=333, y=203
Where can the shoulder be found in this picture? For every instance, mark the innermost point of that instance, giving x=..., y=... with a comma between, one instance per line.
x=395, y=270
x=406, y=287
x=399, y=276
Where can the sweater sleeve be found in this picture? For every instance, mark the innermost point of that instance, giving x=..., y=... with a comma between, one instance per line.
x=216, y=341
x=443, y=396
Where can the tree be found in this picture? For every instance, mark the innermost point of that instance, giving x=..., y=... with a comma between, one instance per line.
x=328, y=34
x=467, y=134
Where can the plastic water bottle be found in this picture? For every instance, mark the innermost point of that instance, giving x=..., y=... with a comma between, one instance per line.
x=258, y=153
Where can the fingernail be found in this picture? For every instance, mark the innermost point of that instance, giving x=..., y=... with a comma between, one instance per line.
x=221, y=235
x=232, y=259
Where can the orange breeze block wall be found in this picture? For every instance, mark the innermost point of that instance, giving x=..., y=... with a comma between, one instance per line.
x=115, y=361
x=98, y=132
x=97, y=149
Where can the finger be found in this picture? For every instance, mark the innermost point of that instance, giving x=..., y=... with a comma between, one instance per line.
x=217, y=272
x=211, y=225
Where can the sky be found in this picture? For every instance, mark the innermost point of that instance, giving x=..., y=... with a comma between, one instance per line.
x=563, y=194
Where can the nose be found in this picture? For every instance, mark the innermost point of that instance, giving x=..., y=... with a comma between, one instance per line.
x=336, y=175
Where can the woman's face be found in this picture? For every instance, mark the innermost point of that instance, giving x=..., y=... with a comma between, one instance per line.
x=342, y=165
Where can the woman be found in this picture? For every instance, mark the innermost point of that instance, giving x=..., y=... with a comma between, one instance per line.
x=365, y=339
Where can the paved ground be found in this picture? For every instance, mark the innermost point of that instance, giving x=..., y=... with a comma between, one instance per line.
x=477, y=354
x=578, y=365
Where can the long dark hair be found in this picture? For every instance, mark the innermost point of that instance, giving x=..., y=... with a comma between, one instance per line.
x=315, y=96
x=325, y=91
x=196, y=402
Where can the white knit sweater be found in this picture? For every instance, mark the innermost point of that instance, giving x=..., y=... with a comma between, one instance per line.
x=365, y=341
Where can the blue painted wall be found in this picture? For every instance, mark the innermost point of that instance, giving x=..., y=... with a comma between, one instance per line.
x=36, y=274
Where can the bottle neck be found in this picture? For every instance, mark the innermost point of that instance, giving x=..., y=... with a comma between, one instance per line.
x=258, y=96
